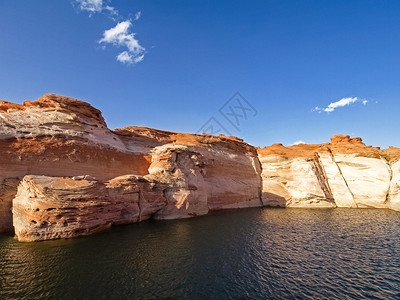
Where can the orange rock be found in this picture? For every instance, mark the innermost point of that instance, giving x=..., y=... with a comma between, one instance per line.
x=58, y=136
x=339, y=144
x=52, y=101
x=53, y=207
x=6, y=106
x=146, y=173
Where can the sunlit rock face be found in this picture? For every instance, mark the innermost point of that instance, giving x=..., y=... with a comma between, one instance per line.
x=229, y=167
x=343, y=173
x=232, y=177
x=48, y=143
x=368, y=180
x=59, y=207
x=59, y=136
x=394, y=195
x=177, y=186
x=63, y=173
x=293, y=182
x=181, y=171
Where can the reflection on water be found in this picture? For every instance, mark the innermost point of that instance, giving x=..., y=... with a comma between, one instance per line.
x=250, y=253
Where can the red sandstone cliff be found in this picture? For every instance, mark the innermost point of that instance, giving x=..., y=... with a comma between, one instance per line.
x=172, y=175
x=63, y=173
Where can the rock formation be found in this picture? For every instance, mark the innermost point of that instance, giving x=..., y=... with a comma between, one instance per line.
x=343, y=173
x=58, y=207
x=63, y=173
x=133, y=173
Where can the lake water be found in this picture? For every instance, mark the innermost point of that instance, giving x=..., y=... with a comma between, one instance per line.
x=236, y=254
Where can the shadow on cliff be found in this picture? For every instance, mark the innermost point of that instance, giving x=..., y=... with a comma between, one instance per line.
x=273, y=200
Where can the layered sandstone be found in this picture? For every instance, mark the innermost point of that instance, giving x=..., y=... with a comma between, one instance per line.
x=58, y=207
x=394, y=191
x=230, y=167
x=343, y=173
x=58, y=138
x=64, y=173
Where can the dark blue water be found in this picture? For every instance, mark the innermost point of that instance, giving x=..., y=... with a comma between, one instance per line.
x=238, y=254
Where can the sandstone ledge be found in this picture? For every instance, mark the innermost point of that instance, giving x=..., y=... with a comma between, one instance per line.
x=342, y=173
x=138, y=173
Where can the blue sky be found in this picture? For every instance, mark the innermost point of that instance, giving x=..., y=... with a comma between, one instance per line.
x=182, y=60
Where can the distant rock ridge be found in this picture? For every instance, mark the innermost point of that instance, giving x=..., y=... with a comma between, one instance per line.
x=339, y=144
x=64, y=173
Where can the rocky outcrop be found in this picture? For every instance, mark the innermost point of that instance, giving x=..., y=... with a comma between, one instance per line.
x=58, y=207
x=343, y=173
x=393, y=200
x=230, y=167
x=293, y=182
x=63, y=173
x=59, y=138
x=176, y=187
x=8, y=189
x=181, y=171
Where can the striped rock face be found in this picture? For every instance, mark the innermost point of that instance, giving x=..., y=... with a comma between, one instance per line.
x=343, y=173
x=64, y=173
x=48, y=142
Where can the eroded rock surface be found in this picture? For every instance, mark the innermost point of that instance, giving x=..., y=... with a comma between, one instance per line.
x=293, y=182
x=394, y=193
x=343, y=173
x=75, y=176
x=8, y=189
x=230, y=167
x=57, y=139
x=181, y=171
x=59, y=207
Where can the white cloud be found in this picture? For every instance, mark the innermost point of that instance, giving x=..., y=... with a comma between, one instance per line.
x=95, y=6
x=138, y=59
x=137, y=15
x=341, y=103
x=125, y=57
x=297, y=143
x=121, y=36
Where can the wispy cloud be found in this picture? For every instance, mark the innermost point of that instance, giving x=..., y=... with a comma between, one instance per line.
x=125, y=57
x=137, y=15
x=297, y=143
x=121, y=36
x=341, y=103
x=96, y=6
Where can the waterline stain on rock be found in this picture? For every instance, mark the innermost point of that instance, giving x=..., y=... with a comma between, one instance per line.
x=75, y=176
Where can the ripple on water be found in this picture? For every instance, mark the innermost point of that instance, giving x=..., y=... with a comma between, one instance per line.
x=250, y=253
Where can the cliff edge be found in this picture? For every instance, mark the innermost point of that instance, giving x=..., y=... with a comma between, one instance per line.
x=64, y=173
x=342, y=173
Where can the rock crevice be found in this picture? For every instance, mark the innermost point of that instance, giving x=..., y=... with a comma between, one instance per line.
x=322, y=178
x=357, y=175
x=137, y=173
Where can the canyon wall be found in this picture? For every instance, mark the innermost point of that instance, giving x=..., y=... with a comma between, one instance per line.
x=132, y=173
x=64, y=173
x=343, y=173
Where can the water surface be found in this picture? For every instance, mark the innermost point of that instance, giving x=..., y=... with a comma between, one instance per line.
x=236, y=254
